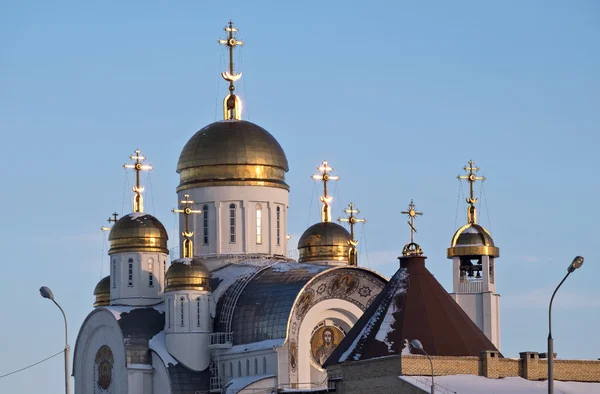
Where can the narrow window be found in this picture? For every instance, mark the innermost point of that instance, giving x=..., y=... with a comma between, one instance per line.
x=231, y=369
x=114, y=273
x=264, y=365
x=130, y=272
x=278, y=226
x=258, y=224
x=239, y=368
x=205, y=223
x=164, y=269
x=182, y=301
x=198, y=311
x=150, y=277
x=255, y=366
x=247, y=367
x=169, y=312
x=232, y=223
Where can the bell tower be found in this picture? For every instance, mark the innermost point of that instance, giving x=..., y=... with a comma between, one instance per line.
x=473, y=255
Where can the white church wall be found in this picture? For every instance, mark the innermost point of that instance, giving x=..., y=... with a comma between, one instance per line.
x=245, y=199
x=143, y=285
x=247, y=363
x=140, y=378
x=161, y=382
x=100, y=328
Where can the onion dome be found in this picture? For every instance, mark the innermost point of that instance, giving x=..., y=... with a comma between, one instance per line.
x=188, y=274
x=102, y=292
x=324, y=241
x=232, y=153
x=138, y=232
x=472, y=240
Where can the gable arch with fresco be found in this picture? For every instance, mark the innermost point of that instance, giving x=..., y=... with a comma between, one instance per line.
x=324, y=311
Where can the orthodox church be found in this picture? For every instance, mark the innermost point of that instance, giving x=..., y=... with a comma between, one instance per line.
x=234, y=313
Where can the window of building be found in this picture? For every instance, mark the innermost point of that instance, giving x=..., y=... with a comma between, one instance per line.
x=130, y=283
x=169, y=312
x=164, y=269
x=264, y=365
x=114, y=273
x=231, y=369
x=247, y=367
x=181, y=306
x=198, y=311
x=205, y=223
x=278, y=226
x=258, y=224
x=239, y=371
x=232, y=223
x=150, y=277
x=255, y=366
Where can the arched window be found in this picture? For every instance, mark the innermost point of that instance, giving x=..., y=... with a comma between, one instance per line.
x=223, y=371
x=264, y=365
x=130, y=273
x=247, y=367
x=278, y=226
x=198, y=311
x=150, y=277
x=231, y=369
x=169, y=312
x=239, y=368
x=255, y=366
x=114, y=273
x=164, y=269
x=205, y=223
x=258, y=224
x=181, y=306
x=232, y=223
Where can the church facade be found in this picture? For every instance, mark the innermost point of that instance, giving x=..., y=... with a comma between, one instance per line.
x=234, y=313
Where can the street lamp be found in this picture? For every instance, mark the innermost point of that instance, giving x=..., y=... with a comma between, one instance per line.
x=576, y=263
x=415, y=343
x=47, y=293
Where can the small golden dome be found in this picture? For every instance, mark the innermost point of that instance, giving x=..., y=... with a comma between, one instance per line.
x=102, y=292
x=231, y=153
x=138, y=232
x=472, y=240
x=188, y=274
x=324, y=241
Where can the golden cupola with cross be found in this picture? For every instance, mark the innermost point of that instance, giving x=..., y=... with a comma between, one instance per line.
x=473, y=255
x=326, y=241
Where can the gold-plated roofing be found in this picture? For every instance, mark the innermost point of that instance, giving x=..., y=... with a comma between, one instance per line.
x=412, y=249
x=326, y=199
x=102, y=292
x=352, y=220
x=324, y=241
x=138, y=232
x=187, y=274
x=232, y=152
x=472, y=239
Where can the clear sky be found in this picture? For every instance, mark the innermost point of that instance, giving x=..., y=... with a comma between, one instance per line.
x=397, y=96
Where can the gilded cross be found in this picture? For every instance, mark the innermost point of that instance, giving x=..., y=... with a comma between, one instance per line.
x=412, y=214
x=137, y=166
x=352, y=220
x=324, y=176
x=232, y=105
x=111, y=219
x=471, y=169
x=185, y=208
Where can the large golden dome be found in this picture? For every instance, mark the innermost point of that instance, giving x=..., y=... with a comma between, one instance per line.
x=187, y=274
x=102, y=292
x=232, y=152
x=472, y=240
x=324, y=241
x=138, y=232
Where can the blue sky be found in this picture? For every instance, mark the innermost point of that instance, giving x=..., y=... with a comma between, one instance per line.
x=397, y=96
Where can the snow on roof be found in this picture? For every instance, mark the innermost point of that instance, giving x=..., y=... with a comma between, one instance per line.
x=227, y=277
x=287, y=266
x=158, y=344
x=262, y=345
x=117, y=310
x=136, y=215
x=237, y=384
x=472, y=384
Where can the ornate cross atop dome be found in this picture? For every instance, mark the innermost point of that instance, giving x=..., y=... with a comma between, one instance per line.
x=232, y=105
x=412, y=248
x=137, y=166
x=324, y=176
x=352, y=220
x=471, y=178
x=111, y=219
x=188, y=249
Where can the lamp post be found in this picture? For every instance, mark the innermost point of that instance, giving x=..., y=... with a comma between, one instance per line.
x=415, y=343
x=47, y=293
x=576, y=263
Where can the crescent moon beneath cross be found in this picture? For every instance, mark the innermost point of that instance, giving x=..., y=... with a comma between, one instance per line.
x=229, y=77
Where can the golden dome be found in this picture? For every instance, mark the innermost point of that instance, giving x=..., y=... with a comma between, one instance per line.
x=187, y=274
x=472, y=240
x=102, y=292
x=138, y=232
x=324, y=241
x=230, y=153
